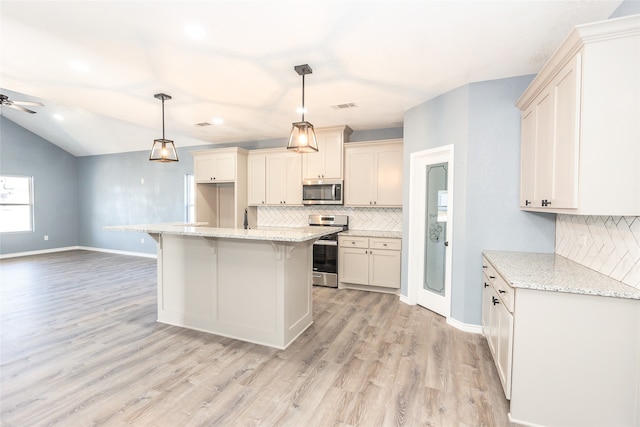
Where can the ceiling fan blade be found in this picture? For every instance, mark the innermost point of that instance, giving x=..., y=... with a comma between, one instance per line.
x=17, y=107
x=28, y=103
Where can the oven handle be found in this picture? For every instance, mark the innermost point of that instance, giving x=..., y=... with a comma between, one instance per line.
x=326, y=243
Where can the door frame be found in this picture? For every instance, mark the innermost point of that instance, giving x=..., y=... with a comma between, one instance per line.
x=417, y=191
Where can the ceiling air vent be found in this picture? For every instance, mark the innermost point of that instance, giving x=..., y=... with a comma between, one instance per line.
x=203, y=124
x=344, y=106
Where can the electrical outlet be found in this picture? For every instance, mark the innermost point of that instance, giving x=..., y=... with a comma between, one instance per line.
x=142, y=240
x=46, y=237
x=142, y=181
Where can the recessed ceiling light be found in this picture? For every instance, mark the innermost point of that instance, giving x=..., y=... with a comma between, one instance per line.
x=79, y=66
x=194, y=31
x=217, y=120
x=58, y=117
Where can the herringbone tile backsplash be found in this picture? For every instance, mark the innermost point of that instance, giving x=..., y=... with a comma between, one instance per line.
x=608, y=244
x=383, y=219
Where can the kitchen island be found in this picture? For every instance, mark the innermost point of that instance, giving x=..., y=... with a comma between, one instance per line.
x=253, y=285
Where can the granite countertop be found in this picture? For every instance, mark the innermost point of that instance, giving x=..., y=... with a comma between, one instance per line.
x=276, y=234
x=373, y=233
x=551, y=272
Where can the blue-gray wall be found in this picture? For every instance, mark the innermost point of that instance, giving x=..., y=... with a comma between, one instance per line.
x=483, y=124
x=55, y=189
x=628, y=7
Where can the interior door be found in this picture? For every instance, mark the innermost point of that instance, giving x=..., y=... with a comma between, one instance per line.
x=430, y=222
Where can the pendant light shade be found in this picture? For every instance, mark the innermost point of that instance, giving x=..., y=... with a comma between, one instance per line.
x=303, y=137
x=163, y=150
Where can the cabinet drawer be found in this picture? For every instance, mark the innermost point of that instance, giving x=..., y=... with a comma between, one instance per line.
x=385, y=243
x=353, y=242
x=504, y=291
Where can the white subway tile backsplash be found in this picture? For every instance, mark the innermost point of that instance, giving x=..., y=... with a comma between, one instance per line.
x=382, y=219
x=608, y=244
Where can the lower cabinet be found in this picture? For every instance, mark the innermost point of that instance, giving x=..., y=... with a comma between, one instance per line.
x=369, y=263
x=497, y=322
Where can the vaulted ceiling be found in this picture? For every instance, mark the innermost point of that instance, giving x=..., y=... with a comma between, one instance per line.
x=95, y=65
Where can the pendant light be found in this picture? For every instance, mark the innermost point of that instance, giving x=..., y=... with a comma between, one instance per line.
x=303, y=137
x=163, y=149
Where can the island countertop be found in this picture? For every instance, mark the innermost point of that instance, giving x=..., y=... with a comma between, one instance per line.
x=276, y=234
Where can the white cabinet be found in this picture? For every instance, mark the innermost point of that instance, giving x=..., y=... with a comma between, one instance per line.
x=215, y=165
x=566, y=350
x=257, y=172
x=221, y=186
x=327, y=162
x=497, y=321
x=369, y=263
x=580, y=133
x=373, y=174
x=274, y=177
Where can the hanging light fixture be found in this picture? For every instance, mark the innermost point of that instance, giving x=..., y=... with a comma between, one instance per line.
x=303, y=137
x=163, y=149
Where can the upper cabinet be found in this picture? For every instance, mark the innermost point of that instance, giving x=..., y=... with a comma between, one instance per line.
x=274, y=177
x=215, y=165
x=580, y=135
x=327, y=162
x=373, y=173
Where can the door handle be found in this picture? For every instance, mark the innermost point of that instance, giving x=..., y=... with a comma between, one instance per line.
x=446, y=243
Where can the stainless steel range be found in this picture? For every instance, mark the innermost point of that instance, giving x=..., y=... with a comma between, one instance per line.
x=325, y=250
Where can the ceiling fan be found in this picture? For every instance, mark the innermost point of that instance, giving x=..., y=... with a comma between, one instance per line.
x=18, y=105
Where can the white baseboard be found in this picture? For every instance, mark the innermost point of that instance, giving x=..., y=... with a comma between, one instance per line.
x=114, y=251
x=465, y=327
x=72, y=248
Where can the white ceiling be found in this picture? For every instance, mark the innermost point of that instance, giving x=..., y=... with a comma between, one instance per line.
x=384, y=56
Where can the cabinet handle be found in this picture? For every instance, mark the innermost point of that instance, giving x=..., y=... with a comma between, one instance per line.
x=527, y=202
x=495, y=300
x=545, y=202
x=486, y=285
x=492, y=277
x=502, y=292
x=484, y=266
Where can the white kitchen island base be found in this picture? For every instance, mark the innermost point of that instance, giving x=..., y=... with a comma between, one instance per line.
x=258, y=291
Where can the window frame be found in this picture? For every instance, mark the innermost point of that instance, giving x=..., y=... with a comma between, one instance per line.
x=30, y=204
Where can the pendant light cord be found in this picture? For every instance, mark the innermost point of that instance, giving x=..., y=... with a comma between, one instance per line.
x=163, y=118
x=303, y=97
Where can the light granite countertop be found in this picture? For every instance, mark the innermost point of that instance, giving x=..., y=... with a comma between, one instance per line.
x=373, y=233
x=551, y=272
x=275, y=234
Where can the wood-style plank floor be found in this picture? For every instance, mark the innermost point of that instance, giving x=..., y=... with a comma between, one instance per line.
x=80, y=346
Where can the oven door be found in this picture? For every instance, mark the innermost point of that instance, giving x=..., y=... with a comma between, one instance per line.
x=325, y=263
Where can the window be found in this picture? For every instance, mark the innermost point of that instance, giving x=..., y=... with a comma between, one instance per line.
x=16, y=204
x=190, y=198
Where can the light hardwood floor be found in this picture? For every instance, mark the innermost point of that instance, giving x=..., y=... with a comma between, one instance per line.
x=80, y=346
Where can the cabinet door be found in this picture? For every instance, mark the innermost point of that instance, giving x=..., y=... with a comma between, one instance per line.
x=494, y=322
x=486, y=306
x=504, y=350
x=331, y=145
x=293, y=179
x=527, y=158
x=544, y=148
x=359, y=176
x=203, y=168
x=256, y=176
x=327, y=162
x=384, y=268
x=388, y=180
x=225, y=167
x=276, y=176
x=353, y=265
x=564, y=190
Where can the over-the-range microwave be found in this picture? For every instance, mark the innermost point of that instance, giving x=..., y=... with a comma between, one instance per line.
x=322, y=192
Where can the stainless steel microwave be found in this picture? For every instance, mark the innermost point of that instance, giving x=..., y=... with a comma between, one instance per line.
x=322, y=192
